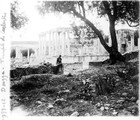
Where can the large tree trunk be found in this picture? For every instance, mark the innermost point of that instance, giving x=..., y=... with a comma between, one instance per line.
x=91, y=25
x=115, y=55
x=113, y=34
x=113, y=51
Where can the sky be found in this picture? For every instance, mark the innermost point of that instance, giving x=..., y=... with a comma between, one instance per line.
x=38, y=23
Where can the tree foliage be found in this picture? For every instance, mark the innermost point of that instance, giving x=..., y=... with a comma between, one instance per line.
x=124, y=11
x=115, y=11
x=83, y=31
x=17, y=19
x=127, y=11
x=84, y=34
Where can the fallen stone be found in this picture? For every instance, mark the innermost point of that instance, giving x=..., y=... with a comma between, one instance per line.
x=98, y=114
x=107, y=105
x=98, y=105
x=20, y=111
x=68, y=109
x=50, y=106
x=121, y=98
x=133, y=99
x=67, y=91
x=124, y=113
x=120, y=101
x=117, y=80
x=102, y=108
x=106, y=108
x=88, y=80
x=124, y=94
x=137, y=101
x=43, y=99
x=111, y=108
x=114, y=112
x=81, y=101
x=75, y=114
x=61, y=99
x=60, y=102
x=87, y=114
x=39, y=102
x=22, y=71
x=64, y=91
x=84, y=82
x=132, y=107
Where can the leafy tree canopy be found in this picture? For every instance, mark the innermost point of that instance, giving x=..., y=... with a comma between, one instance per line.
x=125, y=11
x=114, y=11
x=17, y=19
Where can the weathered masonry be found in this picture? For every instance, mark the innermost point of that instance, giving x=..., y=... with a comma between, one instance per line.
x=62, y=42
x=19, y=46
x=128, y=40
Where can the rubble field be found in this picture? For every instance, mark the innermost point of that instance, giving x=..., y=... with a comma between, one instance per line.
x=46, y=94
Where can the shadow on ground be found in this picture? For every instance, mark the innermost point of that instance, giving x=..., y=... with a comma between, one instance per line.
x=77, y=95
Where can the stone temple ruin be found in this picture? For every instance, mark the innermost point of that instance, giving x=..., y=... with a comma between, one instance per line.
x=61, y=41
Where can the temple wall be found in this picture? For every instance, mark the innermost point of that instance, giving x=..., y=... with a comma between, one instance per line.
x=61, y=42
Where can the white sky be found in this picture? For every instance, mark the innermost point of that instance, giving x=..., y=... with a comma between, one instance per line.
x=38, y=23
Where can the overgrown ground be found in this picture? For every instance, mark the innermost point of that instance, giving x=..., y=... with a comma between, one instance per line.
x=76, y=95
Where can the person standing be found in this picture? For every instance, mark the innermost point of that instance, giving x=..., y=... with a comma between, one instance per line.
x=59, y=64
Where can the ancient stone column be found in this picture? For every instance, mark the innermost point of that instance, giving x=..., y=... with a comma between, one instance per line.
x=55, y=43
x=44, y=44
x=63, y=43
x=68, y=43
x=35, y=52
x=49, y=43
x=40, y=45
x=138, y=43
x=28, y=55
x=18, y=52
x=59, y=43
x=132, y=42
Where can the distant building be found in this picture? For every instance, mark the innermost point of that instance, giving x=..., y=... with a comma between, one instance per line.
x=62, y=42
x=128, y=40
x=19, y=46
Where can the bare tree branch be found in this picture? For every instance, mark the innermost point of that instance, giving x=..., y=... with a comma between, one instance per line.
x=93, y=28
x=106, y=5
x=83, y=8
x=114, y=8
x=130, y=24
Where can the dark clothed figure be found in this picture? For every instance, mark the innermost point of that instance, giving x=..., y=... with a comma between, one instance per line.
x=59, y=64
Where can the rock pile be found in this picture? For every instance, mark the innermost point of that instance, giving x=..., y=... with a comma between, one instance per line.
x=20, y=71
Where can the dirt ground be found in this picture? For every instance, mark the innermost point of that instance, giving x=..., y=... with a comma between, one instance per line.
x=76, y=94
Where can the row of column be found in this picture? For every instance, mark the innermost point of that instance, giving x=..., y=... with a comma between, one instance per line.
x=19, y=53
x=54, y=43
x=124, y=40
